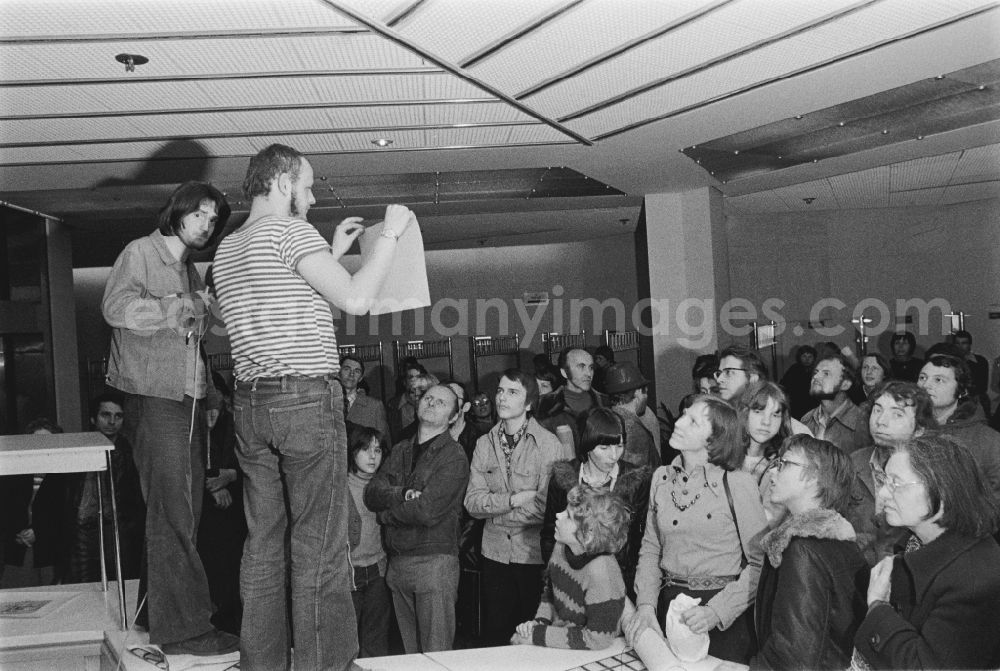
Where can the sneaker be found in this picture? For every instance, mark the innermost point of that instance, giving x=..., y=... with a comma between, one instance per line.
x=212, y=642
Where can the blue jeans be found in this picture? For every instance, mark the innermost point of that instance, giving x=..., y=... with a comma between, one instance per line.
x=172, y=476
x=292, y=447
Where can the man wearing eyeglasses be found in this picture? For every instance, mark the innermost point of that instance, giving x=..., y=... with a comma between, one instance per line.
x=739, y=366
x=900, y=411
x=417, y=496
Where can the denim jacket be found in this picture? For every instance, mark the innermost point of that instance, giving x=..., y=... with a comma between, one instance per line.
x=150, y=321
x=512, y=535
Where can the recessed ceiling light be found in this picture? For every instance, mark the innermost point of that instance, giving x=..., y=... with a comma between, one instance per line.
x=381, y=142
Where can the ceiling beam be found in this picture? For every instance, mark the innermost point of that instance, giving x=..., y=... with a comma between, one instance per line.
x=248, y=33
x=339, y=152
x=718, y=60
x=534, y=25
x=396, y=38
x=229, y=76
x=261, y=133
x=794, y=73
x=254, y=108
x=621, y=49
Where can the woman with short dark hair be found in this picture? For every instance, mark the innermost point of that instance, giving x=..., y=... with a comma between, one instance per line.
x=702, y=534
x=935, y=606
x=598, y=464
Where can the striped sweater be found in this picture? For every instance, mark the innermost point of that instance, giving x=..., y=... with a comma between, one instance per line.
x=582, y=601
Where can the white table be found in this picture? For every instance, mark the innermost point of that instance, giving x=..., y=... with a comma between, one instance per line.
x=69, y=453
x=513, y=658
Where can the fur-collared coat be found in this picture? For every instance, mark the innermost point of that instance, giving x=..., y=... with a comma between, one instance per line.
x=811, y=594
x=632, y=486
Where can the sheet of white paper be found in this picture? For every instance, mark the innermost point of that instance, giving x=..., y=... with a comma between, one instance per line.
x=406, y=286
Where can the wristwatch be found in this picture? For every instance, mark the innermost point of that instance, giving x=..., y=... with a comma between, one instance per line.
x=389, y=233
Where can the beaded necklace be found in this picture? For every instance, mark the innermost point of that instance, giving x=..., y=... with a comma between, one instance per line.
x=684, y=492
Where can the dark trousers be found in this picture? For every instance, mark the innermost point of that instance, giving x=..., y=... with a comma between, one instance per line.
x=172, y=475
x=373, y=609
x=737, y=644
x=511, y=593
x=221, y=535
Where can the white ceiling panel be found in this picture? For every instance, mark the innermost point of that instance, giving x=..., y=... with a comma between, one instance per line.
x=43, y=100
x=965, y=192
x=43, y=154
x=468, y=137
x=916, y=198
x=733, y=28
x=137, y=151
x=454, y=29
x=867, y=188
x=252, y=121
x=762, y=201
x=556, y=47
x=473, y=113
x=819, y=190
x=719, y=80
x=537, y=134
x=36, y=18
x=977, y=163
x=923, y=172
x=153, y=96
x=379, y=10
x=194, y=58
x=890, y=18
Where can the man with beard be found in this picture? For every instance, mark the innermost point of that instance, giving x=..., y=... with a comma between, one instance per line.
x=899, y=411
x=836, y=418
x=276, y=279
x=156, y=303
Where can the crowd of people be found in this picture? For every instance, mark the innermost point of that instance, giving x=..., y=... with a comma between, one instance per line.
x=846, y=517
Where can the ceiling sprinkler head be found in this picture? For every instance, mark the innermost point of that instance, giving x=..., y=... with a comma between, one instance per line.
x=131, y=60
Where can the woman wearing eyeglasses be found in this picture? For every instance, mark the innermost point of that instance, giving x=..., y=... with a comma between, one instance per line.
x=702, y=534
x=811, y=595
x=936, y=605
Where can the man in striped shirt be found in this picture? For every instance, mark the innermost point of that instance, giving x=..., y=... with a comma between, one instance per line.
x=276, y=277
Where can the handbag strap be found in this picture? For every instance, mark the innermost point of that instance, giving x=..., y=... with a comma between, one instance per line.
x=732, y=509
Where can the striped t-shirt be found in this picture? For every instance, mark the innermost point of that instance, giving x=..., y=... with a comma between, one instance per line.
x=277, y=323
